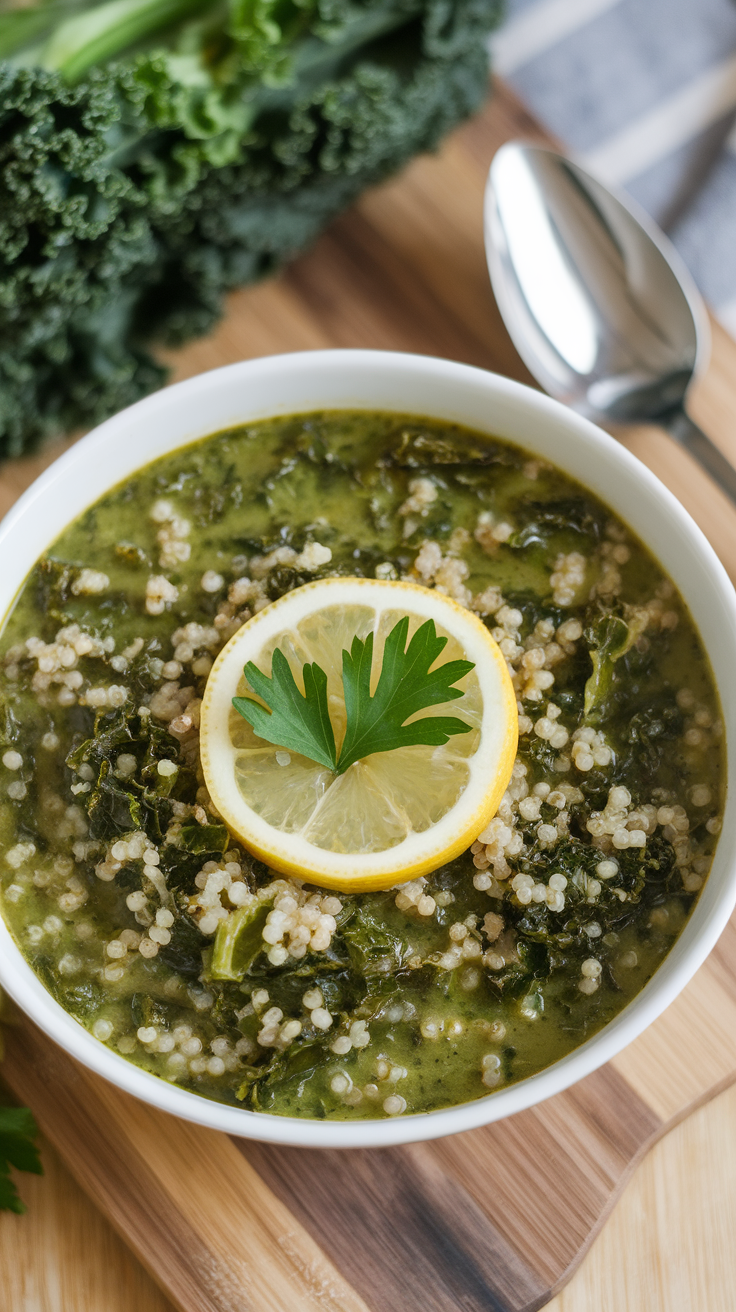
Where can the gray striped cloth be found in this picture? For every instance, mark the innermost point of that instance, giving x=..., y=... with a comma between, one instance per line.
x=643, y=92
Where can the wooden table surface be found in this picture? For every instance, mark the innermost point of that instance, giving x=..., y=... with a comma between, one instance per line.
x=667, y=1247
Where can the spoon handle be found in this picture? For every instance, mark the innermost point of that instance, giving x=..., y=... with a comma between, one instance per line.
x=680, y=426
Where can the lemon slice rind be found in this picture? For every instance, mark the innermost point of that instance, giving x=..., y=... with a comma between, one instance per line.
x=487, y=770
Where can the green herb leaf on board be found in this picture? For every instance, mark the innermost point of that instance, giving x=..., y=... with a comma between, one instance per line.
x=18, y=1149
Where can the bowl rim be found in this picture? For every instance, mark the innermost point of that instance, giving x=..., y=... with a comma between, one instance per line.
x=708, y=586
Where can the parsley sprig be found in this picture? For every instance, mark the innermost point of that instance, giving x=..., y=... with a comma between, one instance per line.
x=376, y=722
x=17, y=1148
x=18, y=1132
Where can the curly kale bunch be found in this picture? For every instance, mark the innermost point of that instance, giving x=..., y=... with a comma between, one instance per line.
x=156, y=153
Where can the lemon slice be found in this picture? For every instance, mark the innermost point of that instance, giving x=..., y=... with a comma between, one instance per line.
x=393, y=815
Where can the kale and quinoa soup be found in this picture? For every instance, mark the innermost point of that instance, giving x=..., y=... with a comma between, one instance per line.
x=117, y=874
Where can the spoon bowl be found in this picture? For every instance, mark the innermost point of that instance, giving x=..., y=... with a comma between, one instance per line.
x=596, y=299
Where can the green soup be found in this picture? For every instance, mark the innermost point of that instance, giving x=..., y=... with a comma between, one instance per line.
x=118, y=878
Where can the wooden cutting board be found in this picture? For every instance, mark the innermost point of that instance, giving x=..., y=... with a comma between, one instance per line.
x=491, y=1221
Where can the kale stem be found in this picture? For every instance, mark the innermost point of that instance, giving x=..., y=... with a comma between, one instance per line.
x=107, y=30
x=19, y=27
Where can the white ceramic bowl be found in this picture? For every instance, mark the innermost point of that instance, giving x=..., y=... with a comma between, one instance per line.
x=374, y=380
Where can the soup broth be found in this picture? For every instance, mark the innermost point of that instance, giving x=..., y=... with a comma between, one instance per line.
x=116, y=872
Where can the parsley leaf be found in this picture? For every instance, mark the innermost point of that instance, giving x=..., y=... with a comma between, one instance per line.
x=299, y=722
x=17, y=1148
x=375, y=723
x=405, y=686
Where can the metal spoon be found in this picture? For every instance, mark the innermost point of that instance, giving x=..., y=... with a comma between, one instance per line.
x=596, y=299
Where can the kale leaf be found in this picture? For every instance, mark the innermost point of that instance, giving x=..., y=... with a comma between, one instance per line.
x=183, y=952
x=543, y=519
x=152, y=158
x=610, y=639
x=373, y=947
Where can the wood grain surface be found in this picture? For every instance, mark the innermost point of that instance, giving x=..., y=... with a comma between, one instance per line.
x=493, y=1220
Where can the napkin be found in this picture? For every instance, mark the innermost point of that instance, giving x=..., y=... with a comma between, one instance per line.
x=643, y=93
